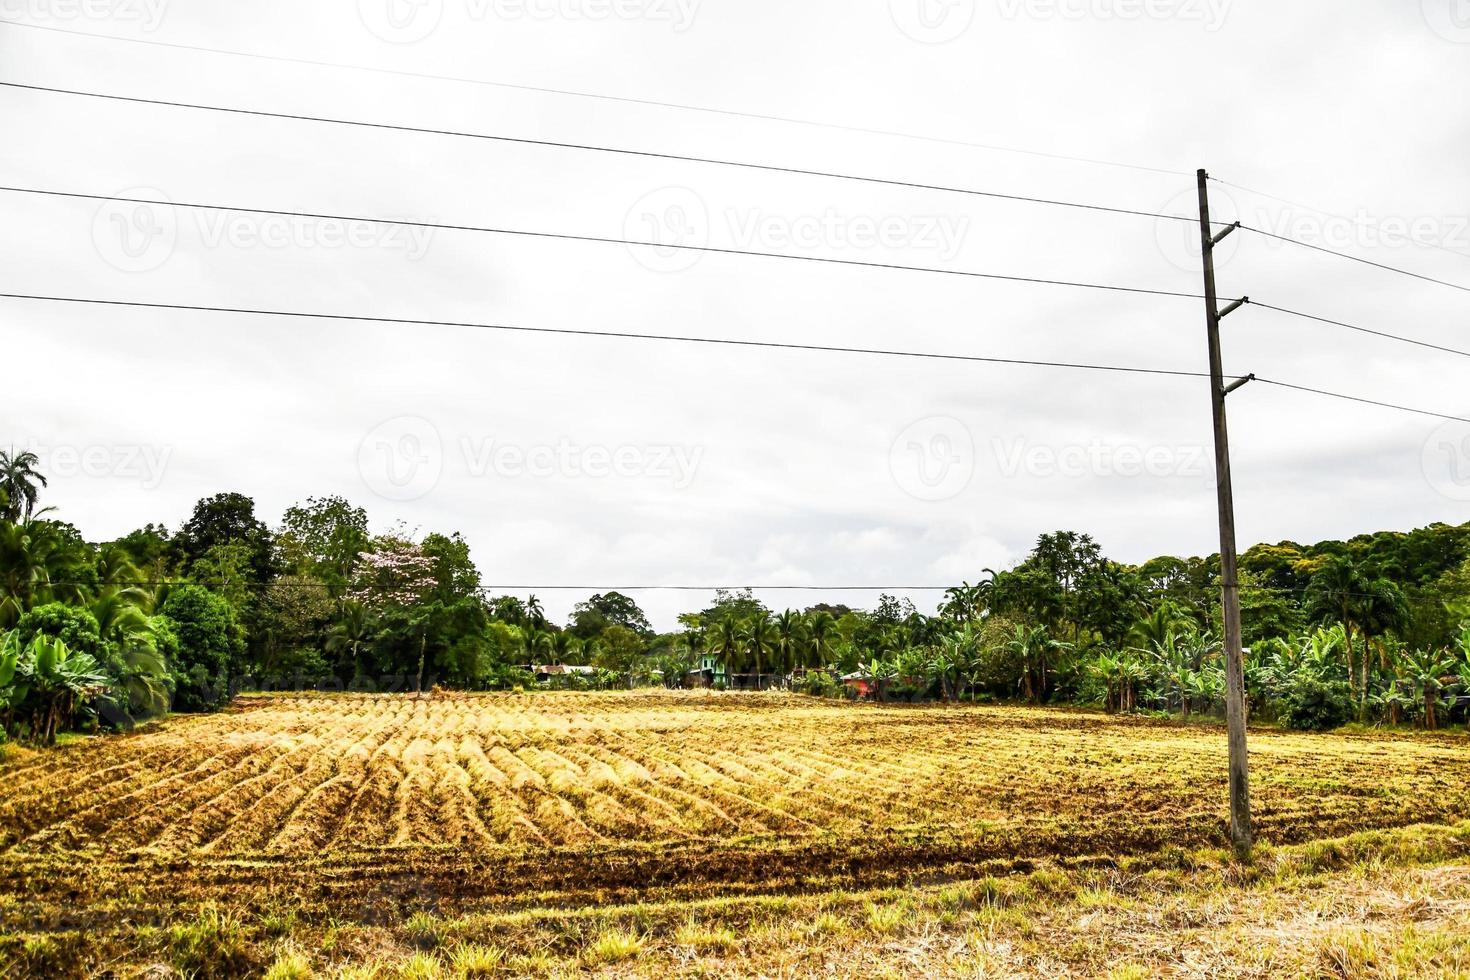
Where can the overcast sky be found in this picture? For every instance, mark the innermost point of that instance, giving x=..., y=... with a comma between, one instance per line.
x=609, y=462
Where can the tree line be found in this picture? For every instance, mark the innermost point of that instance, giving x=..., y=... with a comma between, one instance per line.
x=105, y=634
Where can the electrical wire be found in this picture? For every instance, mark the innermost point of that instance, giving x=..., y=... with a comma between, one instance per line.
x=1330, y=214
x=523, y=141
x=567, y=331
x=597, y=239
x=624, y=100
x=1072, y=365
x=1353, y=258
x=1365, y=330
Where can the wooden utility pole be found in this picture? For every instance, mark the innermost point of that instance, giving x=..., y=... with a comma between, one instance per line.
x=1241, y=834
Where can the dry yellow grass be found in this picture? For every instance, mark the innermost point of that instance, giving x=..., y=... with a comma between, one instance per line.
x=659, y=832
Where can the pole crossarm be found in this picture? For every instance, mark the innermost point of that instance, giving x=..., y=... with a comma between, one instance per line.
x=1233, y=307
x=1239, y=383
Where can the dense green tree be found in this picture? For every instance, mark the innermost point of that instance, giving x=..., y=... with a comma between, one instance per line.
x=323, y=538
x=209, y=643
x=590, y=618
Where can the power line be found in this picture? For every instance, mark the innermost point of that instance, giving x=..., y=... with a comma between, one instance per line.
x=625, y=100
x=597, y=239
x=1364, y=401
x=889, y=266
x=567, y=331
x=1366, y=330
x=1339, y=217
x=771, y=168
x=1354, y=258
x=725, y=341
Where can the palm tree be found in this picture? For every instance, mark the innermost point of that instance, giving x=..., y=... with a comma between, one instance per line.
x=760, y=637
x=19, y=481
x=724, y=643
x=819, y=630
x=788, y=639
x=535, y=615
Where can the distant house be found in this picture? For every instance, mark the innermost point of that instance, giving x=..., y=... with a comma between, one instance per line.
x=709, y=673
x=861, y=683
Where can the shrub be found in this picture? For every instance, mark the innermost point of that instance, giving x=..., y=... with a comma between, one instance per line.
x=820, y=684
x=1315, y=705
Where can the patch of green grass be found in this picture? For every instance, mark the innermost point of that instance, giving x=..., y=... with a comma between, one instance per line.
x=424, y=930
x=289, y=966
x=612, y=946
x=705, y=938
x=473, y=961
x=885, y=920
x=213, y=943
x=421, y=966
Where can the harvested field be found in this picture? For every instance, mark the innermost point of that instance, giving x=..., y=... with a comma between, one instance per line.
x=365, y=810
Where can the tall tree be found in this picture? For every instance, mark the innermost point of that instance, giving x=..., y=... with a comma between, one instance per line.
x=20, y=483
